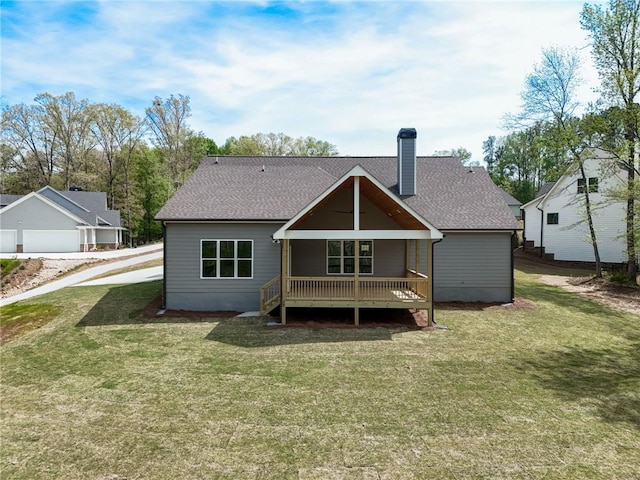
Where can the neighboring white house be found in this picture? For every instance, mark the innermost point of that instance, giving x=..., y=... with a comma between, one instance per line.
x=556, y=219
x=53, y=221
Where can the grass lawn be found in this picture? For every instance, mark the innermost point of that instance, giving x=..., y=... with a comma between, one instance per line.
x=7, y=265
x=551, y=390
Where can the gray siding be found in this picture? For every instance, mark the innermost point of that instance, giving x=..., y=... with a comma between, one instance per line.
x=309, y=258
x=34, y=214
x=106, y=236
x=185, y=290
x=473, y=267
x=407, y=166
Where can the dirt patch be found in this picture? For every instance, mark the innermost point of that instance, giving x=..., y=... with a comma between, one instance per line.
x=518, y=303
x=38, y=271
x=601, y=290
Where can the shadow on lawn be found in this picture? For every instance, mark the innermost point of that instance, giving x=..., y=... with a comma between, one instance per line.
x=605, y=379
x=253, y=332
x=125, y=305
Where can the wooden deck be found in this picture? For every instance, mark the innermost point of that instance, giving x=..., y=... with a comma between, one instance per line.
x=413, y=291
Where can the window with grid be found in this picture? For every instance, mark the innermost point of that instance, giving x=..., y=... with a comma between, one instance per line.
x=341, y=258
x=226, y=258
x=593, y=184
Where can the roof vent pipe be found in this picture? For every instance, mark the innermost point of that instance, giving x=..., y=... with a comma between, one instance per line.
x=407, y=161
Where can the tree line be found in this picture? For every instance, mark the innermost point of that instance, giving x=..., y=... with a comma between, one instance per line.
x=139, y=161
x=548, y=136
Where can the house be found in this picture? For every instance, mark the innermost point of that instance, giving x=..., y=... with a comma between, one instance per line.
x=52, y=221
x=255, y=233
x=513, y=203
x=555, y=221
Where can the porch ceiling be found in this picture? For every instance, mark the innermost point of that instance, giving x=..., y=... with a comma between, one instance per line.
x=348, y=183
x=395, y=212
x=399, y=215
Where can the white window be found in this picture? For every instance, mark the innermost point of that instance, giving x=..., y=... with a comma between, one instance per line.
x=593, y=184
x=341, y=258
x=226, y=258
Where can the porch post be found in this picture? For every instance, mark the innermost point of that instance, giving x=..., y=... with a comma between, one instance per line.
x=407, y=253
x=417, y=244
x=430, y=281
x=356, y=282
x=284, y=279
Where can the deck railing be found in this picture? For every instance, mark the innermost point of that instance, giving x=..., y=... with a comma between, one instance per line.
x=366, y=290
x=422, y=288
x=270, y=295
x=411, y=292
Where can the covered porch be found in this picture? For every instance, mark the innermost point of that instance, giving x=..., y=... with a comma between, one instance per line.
x=347, y=279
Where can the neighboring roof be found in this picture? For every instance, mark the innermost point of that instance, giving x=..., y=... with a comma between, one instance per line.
x=92, y=201
x=450, y=196
x=544, y=189
x=46, y=201
x=509, y=199
x=7, y=199
x=88, y=207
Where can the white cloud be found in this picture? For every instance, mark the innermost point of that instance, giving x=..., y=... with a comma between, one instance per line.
x=349, y=73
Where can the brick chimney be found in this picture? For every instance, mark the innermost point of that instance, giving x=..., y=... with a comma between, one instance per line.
x=407, y=161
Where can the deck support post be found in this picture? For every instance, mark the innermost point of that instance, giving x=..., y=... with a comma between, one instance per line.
x=284, y=278
x=356, y=280
x=430, y=280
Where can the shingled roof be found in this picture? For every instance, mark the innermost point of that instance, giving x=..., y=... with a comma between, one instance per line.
x=450, y=196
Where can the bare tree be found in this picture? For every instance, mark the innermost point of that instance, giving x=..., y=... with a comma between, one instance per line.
x=550, y=96
x=68, y=119
x=32, y=144
x=167, y=121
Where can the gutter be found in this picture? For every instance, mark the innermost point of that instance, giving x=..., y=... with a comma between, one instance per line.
x=433, y=320
x=541, y=228
x=513, y=279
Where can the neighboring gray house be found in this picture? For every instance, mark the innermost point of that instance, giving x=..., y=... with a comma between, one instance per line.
x=255, y=233
x=513, y=203
x=53, y=221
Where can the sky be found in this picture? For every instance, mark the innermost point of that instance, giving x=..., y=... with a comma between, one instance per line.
x=350, y=73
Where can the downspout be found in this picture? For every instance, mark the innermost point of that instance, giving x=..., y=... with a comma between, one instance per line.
x=432, y=280
x=164, y=266
x=541, y=229
x=513, y=281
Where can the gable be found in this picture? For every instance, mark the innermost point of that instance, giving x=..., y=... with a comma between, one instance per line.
x=34, y=211
x=566, y=188
x=359, y=182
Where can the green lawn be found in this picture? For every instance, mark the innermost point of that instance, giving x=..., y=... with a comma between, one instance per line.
x=551, y=390
x=7, y=265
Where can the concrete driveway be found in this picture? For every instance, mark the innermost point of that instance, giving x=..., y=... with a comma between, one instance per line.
x=142, y=254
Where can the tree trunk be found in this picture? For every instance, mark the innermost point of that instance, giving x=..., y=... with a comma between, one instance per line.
x=632, y=264
x=592, y=231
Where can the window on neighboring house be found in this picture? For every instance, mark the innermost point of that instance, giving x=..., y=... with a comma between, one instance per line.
x=552, y=219
x=341, y=258
x=593, y=184
x=226, y=258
